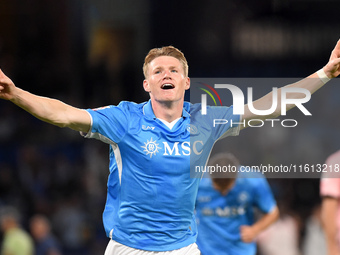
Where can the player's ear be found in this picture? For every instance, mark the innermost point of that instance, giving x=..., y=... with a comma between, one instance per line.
x=187, y=83
x=146, y=86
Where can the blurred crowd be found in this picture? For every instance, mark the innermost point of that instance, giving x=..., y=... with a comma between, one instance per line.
x=58, y=176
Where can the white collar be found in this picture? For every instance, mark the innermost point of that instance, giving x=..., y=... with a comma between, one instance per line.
x=171, y=124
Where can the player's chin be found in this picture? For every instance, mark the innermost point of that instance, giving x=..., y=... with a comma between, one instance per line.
x=168, y=100
x=169, y=97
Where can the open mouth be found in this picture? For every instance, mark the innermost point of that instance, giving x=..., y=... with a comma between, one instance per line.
x=168, y=86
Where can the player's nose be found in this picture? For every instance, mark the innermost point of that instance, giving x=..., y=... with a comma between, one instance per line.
x=167, y=74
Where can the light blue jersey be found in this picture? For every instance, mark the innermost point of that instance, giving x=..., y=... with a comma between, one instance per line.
x=150, y=195
x=220, y=217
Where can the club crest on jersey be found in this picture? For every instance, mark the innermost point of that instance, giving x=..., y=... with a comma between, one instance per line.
x=192, y=129
x=151, y=147
x=243, y=197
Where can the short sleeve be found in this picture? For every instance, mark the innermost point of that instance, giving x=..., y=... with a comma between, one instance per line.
x=264, y=198
x=109, y=124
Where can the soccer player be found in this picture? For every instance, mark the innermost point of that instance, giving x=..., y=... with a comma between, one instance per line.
x=330, y=207
x=225, y=208
x=150, y=195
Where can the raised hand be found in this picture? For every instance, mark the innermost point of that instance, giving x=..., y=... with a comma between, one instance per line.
x=332, y=69
x=7, y=87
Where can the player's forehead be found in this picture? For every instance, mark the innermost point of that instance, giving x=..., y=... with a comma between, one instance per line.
x=165, y=62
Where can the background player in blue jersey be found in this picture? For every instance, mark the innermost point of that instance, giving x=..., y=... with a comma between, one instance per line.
x=226, y=206
x=150, y=195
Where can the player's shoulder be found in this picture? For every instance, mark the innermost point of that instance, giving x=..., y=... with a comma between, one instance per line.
x=191, y=107
x=197, y=107
x=212, y=112
x=131, y=107
x=123, y=106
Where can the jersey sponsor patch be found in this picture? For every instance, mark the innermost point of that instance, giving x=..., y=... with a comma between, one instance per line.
x=151, y=147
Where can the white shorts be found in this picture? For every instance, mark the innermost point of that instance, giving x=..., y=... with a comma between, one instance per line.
x=114, y=248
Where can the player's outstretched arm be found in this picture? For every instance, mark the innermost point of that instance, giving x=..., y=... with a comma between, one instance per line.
x=249, y=233
x=312, y=83
x=46, y=109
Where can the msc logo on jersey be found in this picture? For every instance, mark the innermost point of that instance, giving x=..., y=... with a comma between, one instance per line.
x=151, y=147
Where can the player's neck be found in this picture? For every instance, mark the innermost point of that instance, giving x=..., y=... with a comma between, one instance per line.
x=168, y=111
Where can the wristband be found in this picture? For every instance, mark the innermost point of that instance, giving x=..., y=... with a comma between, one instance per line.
x=323, y=76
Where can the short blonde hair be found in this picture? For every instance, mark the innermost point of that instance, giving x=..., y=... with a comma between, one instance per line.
x=165, y=51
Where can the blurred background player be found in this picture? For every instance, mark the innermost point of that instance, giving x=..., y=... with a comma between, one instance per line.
x=226, y=209
x=330, y=208
x=45, y=242
x=16, y=240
